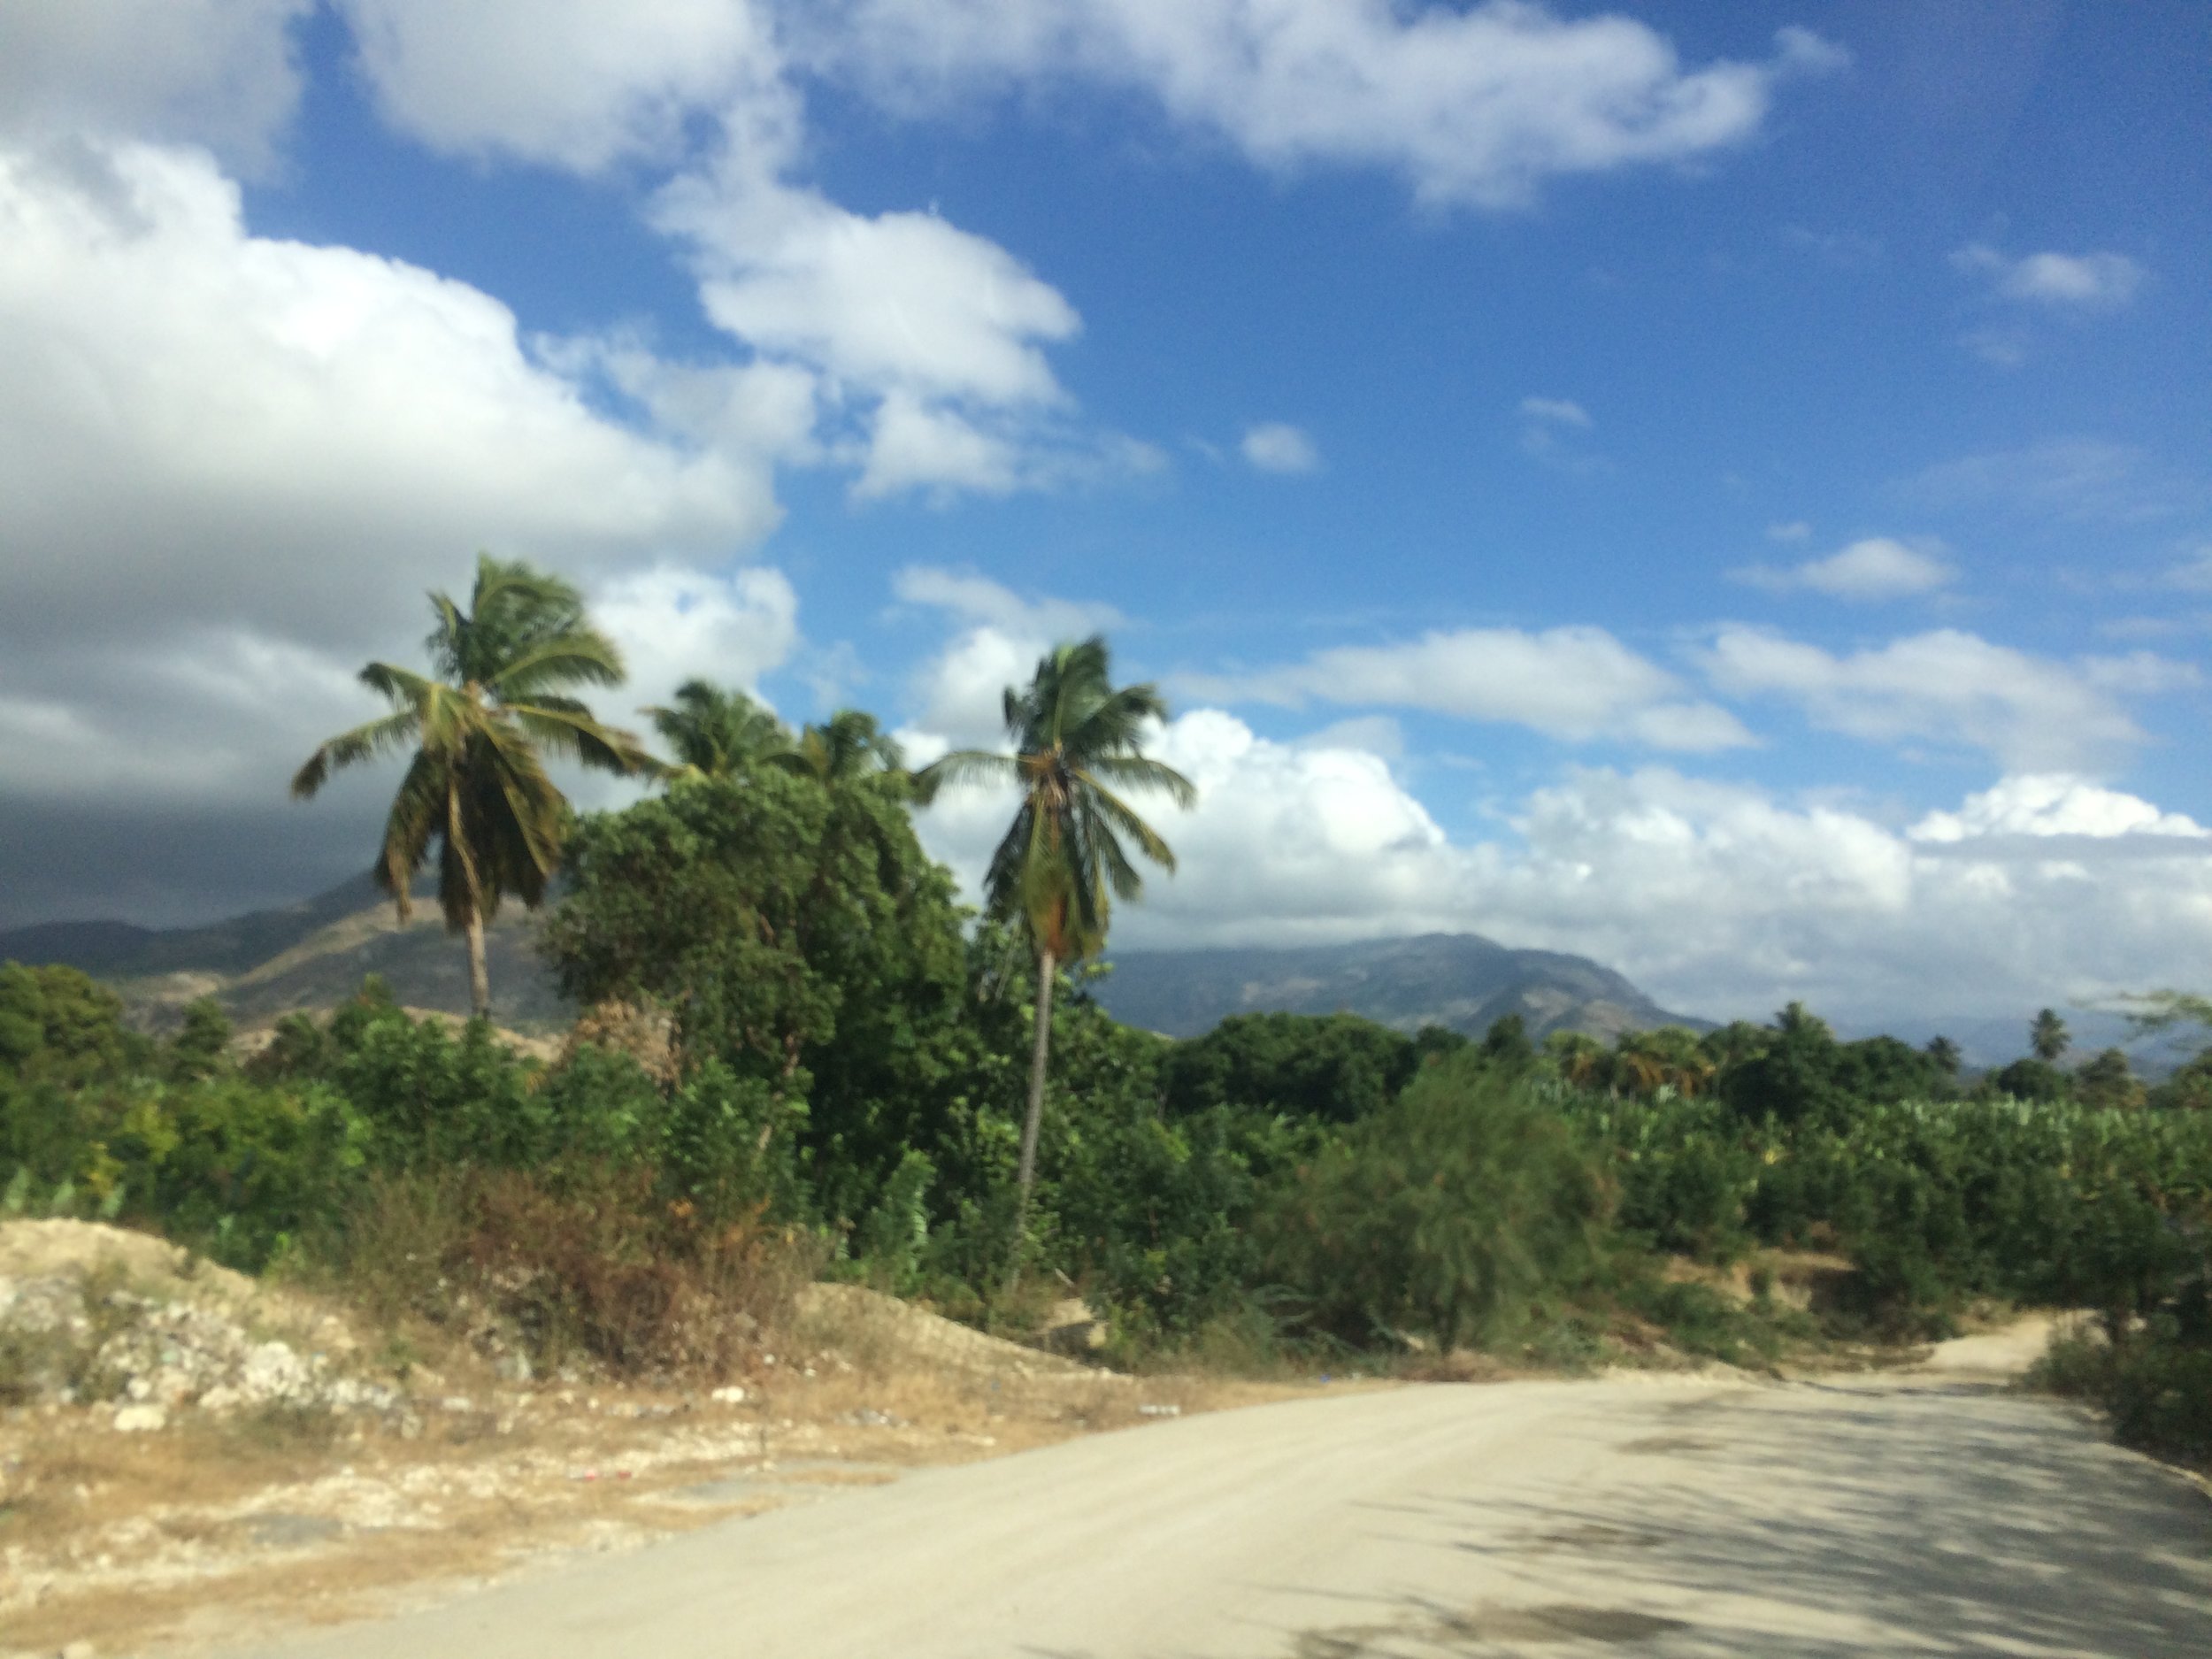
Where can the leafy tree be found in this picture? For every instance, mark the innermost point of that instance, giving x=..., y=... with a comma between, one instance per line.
x=714, y=732
x=2028, y=1079
x=57, y=1022
x=2107, y=1082
x=1944, y=1054
x=477, y=787
x=1330, y=1068
x=796, y=935
x=1077, y=739
x=1506, y=1043
x=202, y=1043
x=2048, y=1037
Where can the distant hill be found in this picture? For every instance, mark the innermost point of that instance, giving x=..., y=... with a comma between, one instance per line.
x=1459, y=981
x=313, y=955
x=307, y=956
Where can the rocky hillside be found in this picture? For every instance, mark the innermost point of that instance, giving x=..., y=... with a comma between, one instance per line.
x=307, y=956
x=1460, y=981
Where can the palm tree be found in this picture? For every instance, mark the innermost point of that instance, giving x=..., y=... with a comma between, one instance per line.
x=713, y=732
x=849, y=744
x=477, y=785
x=1077, y=739
x=2048, y=1037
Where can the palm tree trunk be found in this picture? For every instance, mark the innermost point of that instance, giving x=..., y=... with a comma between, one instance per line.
x=479, y=977
x=1039, y=1049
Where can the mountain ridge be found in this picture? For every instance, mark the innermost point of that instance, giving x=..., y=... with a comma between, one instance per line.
x=1462, y=982
x=309, y=956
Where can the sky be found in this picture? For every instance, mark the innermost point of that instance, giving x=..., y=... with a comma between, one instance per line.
x=1722, y=489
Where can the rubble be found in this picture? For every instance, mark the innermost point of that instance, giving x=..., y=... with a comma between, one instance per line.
x=82, y=1328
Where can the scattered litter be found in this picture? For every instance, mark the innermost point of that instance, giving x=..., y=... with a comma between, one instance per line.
x=1159, y=1411
x=732, y=1395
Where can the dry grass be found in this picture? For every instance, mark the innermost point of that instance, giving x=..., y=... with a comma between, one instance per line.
x=216, y=1530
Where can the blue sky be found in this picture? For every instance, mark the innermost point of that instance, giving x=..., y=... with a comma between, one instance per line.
x=1718, y=488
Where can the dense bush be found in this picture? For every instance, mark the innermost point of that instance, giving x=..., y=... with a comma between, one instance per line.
x=1446, y=1215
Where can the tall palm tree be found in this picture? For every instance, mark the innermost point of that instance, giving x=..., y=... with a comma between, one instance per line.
x=477, y=785
x=714, y=731
x=1077, y=740
x=849, y=744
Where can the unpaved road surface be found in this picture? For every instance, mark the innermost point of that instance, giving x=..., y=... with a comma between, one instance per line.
x=1875, y=1516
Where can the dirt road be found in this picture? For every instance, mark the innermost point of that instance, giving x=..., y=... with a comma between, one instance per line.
x=1810, y=1521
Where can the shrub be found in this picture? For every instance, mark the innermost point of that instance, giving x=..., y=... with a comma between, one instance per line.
x=1446, y=1216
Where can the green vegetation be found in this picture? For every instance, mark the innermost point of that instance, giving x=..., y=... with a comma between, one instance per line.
x=800, y=1055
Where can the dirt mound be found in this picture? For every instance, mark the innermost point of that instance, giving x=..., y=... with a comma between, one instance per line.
x=47, y=1249
x=94, y=1316
x=880, y=1332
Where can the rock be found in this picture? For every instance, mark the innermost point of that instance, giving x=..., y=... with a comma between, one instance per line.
x=731, y=1396
x=141, y=1419
x=274, y=1374
x=514, y=1368
x=222, y=1397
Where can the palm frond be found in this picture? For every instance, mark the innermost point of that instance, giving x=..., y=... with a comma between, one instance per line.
x=1118, y=813
x=572, y=731
x=964, y=767
x=1142, y=771
x=579, y=656
x=347, y=748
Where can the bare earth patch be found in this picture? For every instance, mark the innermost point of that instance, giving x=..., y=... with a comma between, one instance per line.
x=222, y=1525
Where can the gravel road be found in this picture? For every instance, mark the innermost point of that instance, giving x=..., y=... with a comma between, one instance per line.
x=1875, y=1515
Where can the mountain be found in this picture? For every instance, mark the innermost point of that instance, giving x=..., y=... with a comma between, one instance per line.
x=1461, y=980
x=301, y=956
x=312, y=955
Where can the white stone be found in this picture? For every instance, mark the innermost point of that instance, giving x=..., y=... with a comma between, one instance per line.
x=732, y=1395
x=141, y=1419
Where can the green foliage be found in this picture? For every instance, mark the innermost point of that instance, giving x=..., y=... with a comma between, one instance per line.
x=1447, y=1216
x=800, y=939
x=60, y=1024
x=202, y=1045
x=1800, y=1074
x=1335, y=1068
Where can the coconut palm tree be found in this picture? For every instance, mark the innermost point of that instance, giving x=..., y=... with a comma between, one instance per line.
x=495, y=703
x=1077, y=742
x=713, y=732
x=849, y=744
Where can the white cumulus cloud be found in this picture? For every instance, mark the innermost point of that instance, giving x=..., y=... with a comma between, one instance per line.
x=1952, y=688
x=565, y=82
x=2090, y=281
x=1274, y=446
x=1717, y=898
x=231, y=466
x=1579, y=683
x=1878, y=567
x=1478, y=105
x=218, y=72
